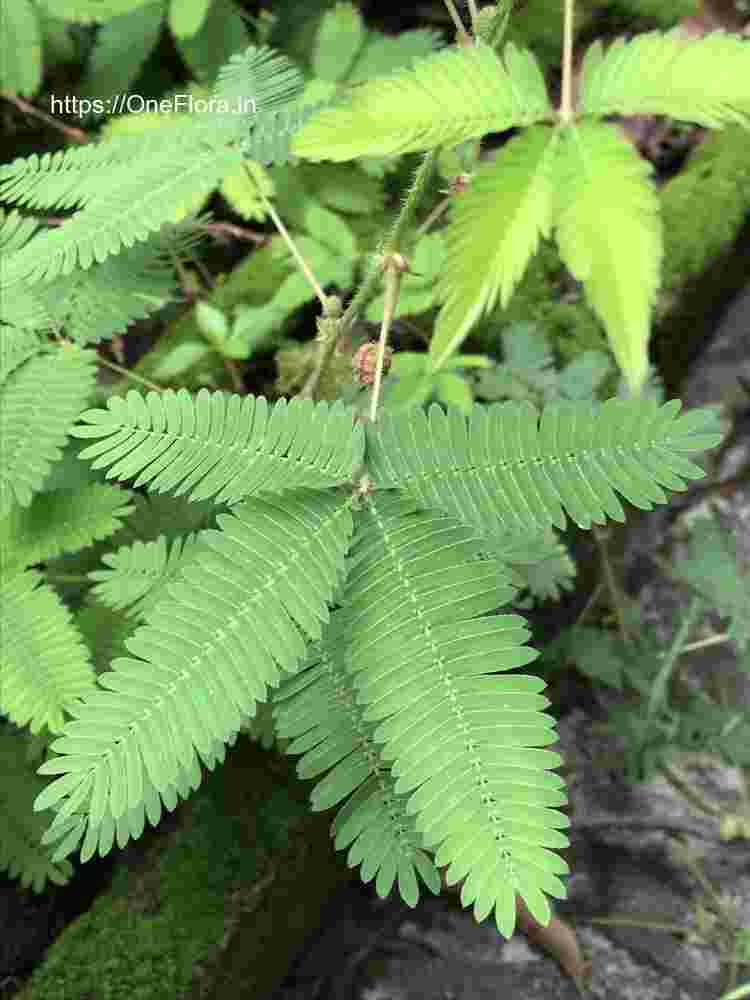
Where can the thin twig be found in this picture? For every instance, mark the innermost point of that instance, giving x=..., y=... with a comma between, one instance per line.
x=128, y=374
x=229, y=229
x=74, y=134
x=462, y=34
x=304, y=266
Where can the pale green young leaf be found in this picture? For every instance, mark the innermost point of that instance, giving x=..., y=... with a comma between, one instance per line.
x=340, y=37
x=187, y=16
x=20, y=47
x=494, y=231
x=704, y=80
x=608, y=230
x=450, y=96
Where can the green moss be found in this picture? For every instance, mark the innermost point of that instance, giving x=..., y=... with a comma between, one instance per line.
x=705, y=206
x=163, y=918
x=542, y=297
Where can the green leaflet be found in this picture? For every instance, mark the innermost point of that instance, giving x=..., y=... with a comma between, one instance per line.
x=319, y=711
x=617, y=253
x=241, y=611
x=139, y=574
x=39, y=401
x=701, y=80
x=420, y=643
x=62, y=520
x=475, y=91
x=495, y=228
x=45, y=665
x=220, y=445
x=508, y=468
x=20, y=47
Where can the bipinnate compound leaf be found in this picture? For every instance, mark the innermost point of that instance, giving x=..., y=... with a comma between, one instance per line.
x=318, y=711
x=235, y=621
x=221, y=445
x=509, y=468
x=609, y=233
x=494, y=230
x=444, y=99
x=704, y=80
x=466, y=745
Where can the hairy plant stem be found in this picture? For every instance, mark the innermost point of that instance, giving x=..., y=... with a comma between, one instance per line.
x=392, y=241
x=406, y=217
x=566, y=99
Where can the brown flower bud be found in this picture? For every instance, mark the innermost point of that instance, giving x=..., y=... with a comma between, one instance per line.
x=365, y=361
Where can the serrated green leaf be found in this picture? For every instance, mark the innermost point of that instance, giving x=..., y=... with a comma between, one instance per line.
x=608, y=230
x=703, y=80
x=494, y=230
x=450, y=96
x=339, y=39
